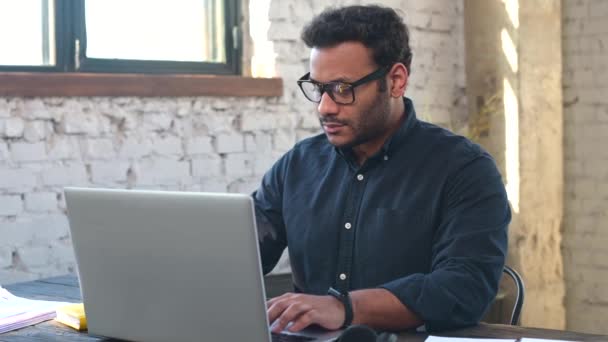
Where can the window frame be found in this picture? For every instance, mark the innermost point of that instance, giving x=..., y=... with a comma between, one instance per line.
x=70, y=56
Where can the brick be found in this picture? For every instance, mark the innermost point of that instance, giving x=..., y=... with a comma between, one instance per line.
x=17, y=179
x=4, y=153
x=28, y=151
x=263, y=163
x=10, y=205
x=442, y=23
x=207, y=166
x=239, y=164
x=13, y=127
x=283, y=140
x=595, y=26
x=5, y=111
x=41, y=202
x=62, y=257
x=161, y=172
x=36, y=109
x=258, y=122
x=110, y=172
x=13, y=234
x=6, y=259
x=214, y=185
x=66, y=175
x=199, y=145
x=229, y=143
x=183, y=127
x=310, y=122
x=47, y=228
x=250, y=143
x=61, y=147
x=184, y=108
x=34, y=256
x=263, y=142
x=282, y=30
x=280, y=10
x=81, y=123
x=168, y=145
x=35, y=131
x=134, y=147
x=99, y=149
x=157, y=122
x=244, y=185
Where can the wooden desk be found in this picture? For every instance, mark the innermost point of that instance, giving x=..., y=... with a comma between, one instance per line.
x=66, y=288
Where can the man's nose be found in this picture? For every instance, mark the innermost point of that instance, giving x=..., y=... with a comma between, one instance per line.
x=327, y=106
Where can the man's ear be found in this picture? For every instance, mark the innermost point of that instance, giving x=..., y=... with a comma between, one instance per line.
x=398, y=79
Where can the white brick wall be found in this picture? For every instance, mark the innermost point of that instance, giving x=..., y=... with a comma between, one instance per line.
x=10, y=205
x=190, y=143
x=585, y=241
x=41, y=202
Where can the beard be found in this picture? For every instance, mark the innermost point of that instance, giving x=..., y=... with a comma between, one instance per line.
x=370, y=123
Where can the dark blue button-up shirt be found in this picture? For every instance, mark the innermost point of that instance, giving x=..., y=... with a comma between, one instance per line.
x=425, y=218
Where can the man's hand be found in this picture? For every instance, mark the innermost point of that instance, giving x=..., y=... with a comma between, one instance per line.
x=302, y=310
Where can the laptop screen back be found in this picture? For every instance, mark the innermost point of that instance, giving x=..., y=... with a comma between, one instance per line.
x=168, y=266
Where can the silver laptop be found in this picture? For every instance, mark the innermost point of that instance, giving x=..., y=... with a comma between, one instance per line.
x=170, y=266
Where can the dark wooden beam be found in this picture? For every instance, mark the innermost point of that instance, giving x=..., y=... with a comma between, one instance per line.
x=30, y=84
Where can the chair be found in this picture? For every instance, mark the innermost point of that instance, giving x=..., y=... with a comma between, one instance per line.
x=507, y=306
x=519, y=293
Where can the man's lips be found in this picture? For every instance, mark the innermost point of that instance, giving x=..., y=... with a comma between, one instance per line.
x=332, y=127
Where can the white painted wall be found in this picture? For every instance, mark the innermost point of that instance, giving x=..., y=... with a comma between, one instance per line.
x=193, y=144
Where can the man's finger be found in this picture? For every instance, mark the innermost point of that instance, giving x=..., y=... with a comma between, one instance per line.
x=290, y=314
x=303, y=321
x=271, y=301
x=276, y=309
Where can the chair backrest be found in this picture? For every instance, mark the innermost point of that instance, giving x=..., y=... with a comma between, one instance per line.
x=507, y=306
x=519, y=293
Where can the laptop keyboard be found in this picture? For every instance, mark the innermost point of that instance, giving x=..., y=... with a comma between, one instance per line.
x=289, y=338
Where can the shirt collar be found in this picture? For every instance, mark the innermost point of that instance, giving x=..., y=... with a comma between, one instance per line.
x=395, y=140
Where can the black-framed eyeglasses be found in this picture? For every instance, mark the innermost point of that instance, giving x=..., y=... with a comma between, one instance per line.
x=339, y=92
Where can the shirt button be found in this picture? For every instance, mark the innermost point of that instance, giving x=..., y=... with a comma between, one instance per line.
x=385, y=157
x=360, y=177
x=347, y=225
x=342, y=276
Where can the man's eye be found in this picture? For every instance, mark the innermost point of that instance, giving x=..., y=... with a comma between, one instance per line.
x=342, y=88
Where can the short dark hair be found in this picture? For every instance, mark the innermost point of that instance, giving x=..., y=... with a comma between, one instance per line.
x=378, y=28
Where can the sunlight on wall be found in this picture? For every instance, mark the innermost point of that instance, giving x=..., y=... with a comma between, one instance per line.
x=509, y=49
x=512, y=143
x=511, y=107
x=512, y=9
x=263, y=59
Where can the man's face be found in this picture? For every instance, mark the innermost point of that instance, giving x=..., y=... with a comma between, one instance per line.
x=363, y=121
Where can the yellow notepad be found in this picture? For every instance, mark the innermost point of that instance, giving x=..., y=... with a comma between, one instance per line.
x=72, y=315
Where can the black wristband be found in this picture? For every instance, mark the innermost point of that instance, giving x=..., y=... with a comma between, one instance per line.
x=344, y=298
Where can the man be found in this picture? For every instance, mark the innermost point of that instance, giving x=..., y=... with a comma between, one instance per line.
x=390, y=221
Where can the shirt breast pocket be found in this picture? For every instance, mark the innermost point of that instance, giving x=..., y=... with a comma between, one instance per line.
x=395, y=242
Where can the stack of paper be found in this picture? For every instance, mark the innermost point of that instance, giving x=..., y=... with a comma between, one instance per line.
x=17, y=312
x=467, y=339
x=471, y=339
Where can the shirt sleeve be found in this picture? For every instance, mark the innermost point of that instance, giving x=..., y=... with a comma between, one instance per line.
x=268, y=199
x=469, y=251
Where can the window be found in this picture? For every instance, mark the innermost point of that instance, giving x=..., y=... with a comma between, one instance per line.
x=134, y=36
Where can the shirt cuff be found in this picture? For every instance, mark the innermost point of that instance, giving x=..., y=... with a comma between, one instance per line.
x=432, y=304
